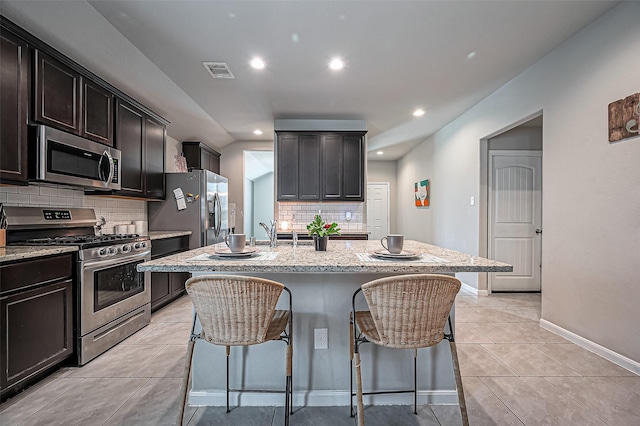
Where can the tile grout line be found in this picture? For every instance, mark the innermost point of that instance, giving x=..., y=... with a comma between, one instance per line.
x=125, y=401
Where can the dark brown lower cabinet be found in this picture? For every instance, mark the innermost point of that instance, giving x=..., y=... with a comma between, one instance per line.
x=36, y=320
x=167, y=286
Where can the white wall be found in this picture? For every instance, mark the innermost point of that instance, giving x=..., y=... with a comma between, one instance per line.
x=591, y=196
x=387, y=171
x=172, y=148
x=232, y=166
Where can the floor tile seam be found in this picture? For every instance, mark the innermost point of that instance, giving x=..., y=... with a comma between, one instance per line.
x=496, y=358
x=560, y=361
x=164, y=346
x=50, y=402
x=577, y=374
x=125, y=401
x=576, y=401
x=499, y=399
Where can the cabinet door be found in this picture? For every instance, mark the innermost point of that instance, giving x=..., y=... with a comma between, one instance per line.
x=57, y=94
x=97, y=113
x=129, y=140
x=154, y=159
x=331, y=167
x=33, y=342
x=287, y=156
x=177, y=280
x=205, y=158
x=214, y=163
x=160, y=289
x=353, y=167
x=14, y=66
x=309, y=167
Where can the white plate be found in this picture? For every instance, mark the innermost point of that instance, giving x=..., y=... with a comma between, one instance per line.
x=247, y=252
x=384, y=254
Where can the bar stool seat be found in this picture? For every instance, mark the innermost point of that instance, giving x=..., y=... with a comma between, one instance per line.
x=406, y=312
x=240, y=311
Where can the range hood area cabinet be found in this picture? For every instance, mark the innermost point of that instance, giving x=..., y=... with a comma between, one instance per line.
x=320, y=166
x=40, y=85
x=66, y=100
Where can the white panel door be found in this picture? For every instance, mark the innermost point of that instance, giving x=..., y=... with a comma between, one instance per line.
x=377, y=210
x=516, y=220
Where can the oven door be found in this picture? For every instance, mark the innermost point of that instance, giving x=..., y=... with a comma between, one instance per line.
x=112, y=288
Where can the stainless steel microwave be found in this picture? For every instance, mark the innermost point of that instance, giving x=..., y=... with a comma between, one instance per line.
x=66, y=159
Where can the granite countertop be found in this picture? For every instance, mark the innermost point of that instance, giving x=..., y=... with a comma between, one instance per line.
x=159, y=235
x=340, y=257
x=13, y=253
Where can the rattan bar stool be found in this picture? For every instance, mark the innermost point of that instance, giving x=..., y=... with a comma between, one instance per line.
x=240, y=311
x=406, y=312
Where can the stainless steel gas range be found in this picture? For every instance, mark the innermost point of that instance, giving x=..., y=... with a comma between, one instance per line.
x=113, y=299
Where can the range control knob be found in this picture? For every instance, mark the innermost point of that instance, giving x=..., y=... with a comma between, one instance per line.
x=112, y=251
x=136, y=246
x=102, y=252
x=125, y=248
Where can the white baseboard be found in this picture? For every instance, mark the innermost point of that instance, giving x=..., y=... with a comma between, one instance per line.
x=474, y=290
x=597, y=349
x=217, y=398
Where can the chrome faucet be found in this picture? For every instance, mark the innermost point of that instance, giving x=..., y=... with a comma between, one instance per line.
x=272, y=232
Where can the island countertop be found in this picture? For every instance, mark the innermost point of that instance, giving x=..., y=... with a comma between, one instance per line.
x=340, y=257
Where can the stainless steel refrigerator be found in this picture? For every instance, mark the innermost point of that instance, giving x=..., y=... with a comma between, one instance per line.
x=203, y=209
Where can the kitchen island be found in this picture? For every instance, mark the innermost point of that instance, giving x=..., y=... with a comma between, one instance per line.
x=322, y=284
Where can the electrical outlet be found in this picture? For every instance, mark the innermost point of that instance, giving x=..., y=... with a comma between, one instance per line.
x=321, y=338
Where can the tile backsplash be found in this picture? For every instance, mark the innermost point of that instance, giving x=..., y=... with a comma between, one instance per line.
x=116, y=211
x=298, y=215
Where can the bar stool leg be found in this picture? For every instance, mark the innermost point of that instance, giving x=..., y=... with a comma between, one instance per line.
x=228, y=350
x=415, y=381
x=359, y=391
x=351, y=343
x=456, y=371
x=185, y=381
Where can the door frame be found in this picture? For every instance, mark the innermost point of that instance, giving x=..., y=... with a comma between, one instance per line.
x=483, y=199
x=366, y=210
x=507, y=153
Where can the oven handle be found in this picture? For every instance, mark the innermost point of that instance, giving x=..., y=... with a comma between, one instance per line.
x=93, y=264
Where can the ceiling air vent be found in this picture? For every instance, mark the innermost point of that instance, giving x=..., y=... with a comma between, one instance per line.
x=218, y=69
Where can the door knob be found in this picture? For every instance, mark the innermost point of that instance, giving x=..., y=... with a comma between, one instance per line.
x=538, y=231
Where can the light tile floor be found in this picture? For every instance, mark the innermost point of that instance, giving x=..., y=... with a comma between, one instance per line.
x=514, y=373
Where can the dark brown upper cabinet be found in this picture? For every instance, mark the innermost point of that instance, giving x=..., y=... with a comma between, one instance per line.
x=200, y=156
x=14, y=102
x=141, y=140
x=57, y=94
x=68, y=101
x=320, y=166
x=97, y=113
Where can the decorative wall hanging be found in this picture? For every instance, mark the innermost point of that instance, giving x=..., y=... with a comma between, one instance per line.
x=421, y=193
x=624, y=118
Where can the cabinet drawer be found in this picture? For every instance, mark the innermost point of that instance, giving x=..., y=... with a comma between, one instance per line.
x=167, y=246
x=36, y=271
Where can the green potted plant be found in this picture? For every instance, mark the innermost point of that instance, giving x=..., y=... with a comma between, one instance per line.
x=321, y=231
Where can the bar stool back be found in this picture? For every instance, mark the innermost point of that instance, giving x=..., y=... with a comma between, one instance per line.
x=239, y=311
x=406, y=312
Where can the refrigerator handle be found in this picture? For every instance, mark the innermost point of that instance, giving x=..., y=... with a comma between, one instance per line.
x=219, y=218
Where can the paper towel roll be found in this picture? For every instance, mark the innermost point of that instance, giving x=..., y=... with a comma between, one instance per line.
x=131, y=229
x=139, y=224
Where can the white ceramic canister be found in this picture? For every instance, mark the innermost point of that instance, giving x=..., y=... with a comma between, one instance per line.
x=121, y=229
x=131, y=229
x=139, y=225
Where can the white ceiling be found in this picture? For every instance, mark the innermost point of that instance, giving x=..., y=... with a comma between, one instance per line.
x=399, y=55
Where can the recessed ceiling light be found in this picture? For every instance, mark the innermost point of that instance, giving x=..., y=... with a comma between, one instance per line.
x=418, y=113
x=257, y=63
x=257, y=132
x=336, y=64
x=471, y=55
x=380, y=152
